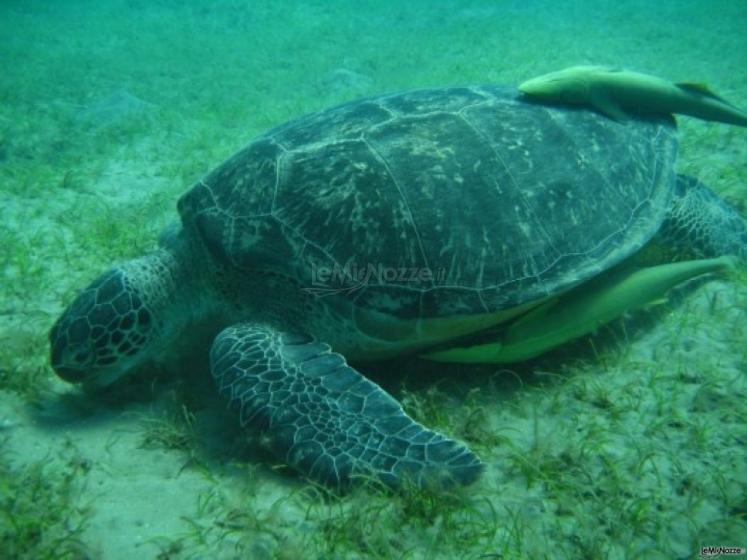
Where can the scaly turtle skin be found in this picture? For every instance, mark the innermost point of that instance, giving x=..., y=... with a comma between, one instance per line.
x=412, y=222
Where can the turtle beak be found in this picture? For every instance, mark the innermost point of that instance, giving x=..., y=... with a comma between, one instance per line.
x=70, y=360
x=102, y=379
x=71, y=375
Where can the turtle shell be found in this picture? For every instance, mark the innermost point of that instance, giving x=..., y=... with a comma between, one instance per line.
x=439, y=202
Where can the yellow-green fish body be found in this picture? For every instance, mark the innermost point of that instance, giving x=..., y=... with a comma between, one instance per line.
x=618, y=93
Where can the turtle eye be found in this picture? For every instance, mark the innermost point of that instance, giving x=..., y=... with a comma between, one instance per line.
x=82, y=357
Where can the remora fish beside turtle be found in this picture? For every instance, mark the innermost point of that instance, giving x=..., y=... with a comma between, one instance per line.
x=506, y=210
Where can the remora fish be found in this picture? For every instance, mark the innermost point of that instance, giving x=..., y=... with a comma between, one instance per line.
x=617, y=93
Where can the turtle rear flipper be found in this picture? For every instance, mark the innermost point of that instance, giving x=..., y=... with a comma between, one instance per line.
x=325, y=419
x=701, y=225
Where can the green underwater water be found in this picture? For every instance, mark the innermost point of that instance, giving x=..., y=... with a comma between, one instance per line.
x=626, y=444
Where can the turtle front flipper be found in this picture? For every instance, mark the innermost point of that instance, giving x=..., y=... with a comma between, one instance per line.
x=325, y=419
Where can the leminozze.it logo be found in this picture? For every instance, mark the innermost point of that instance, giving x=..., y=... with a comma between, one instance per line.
x=712, y=551
x=329, y=280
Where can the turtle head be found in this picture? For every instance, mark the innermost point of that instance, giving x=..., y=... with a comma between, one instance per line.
x=110, y=328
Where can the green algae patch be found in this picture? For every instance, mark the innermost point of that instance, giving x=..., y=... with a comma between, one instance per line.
x=40, y=515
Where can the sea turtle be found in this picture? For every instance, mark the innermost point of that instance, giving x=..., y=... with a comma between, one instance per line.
x=407, y=223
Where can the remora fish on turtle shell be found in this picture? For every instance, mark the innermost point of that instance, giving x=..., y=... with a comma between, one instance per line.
x=620, y=93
